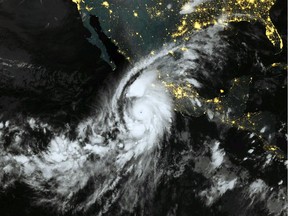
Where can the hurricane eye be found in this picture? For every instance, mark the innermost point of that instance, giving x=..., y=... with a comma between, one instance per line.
x=141, y=110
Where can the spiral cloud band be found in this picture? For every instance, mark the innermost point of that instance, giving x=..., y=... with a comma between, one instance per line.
x=118, y=141
x=119, y=156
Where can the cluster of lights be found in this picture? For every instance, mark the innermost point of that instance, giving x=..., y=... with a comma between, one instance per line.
x=218, y=107
x=199, y=16
x=223, y=12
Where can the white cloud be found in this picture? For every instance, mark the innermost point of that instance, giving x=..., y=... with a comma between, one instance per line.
x=190, y=6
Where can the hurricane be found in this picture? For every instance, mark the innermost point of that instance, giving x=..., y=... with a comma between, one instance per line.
x=124, y=150
x=113, y=154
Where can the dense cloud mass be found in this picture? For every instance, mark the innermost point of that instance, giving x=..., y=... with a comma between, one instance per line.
x=187, y=130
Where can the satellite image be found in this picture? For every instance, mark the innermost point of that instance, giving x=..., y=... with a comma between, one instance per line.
x=143, y=108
